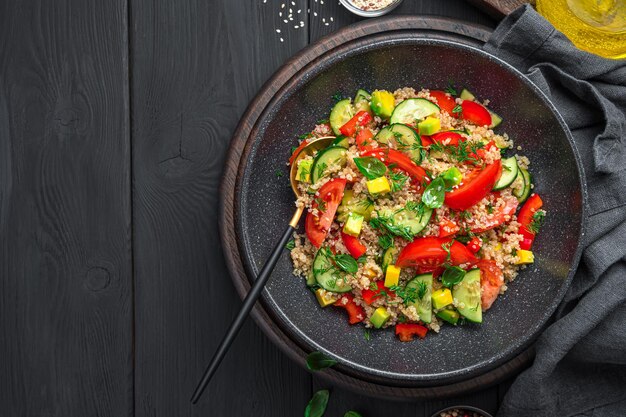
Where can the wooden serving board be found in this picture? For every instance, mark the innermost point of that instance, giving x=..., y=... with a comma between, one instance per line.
x=499, y=8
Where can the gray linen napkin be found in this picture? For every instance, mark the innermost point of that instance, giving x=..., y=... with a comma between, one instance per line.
x=580, y=366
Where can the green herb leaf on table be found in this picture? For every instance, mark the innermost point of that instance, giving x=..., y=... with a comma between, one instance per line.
x=347, y=263
x=370, y=167
x=435, y=194
x=366, y=334
x=452, y=276
x=290, y=245
x=317, y=406
x=352, y=414
x=317, y=361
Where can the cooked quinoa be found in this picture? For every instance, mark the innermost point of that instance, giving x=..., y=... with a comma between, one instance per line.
x=401, y=228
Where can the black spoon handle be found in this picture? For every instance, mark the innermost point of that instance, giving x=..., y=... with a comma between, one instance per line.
x=248, y=303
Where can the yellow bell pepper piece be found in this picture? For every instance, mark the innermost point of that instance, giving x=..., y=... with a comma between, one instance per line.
x=442, y=298
x=325, y=298
x=525, y=257
x=392, y=277
x=378, y=186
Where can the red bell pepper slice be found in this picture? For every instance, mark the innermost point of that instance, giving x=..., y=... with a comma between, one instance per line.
x=447, y=227
x=474, y=244
x=475, y=113
x=369, y=295
x=364, y=138
x=360, y=119
x=525, y=218
x=426, y=254
x=400, y=161
x=406, y=331
x=356, y=314
x=474, y=187
x=444, y=101
x=354, y=245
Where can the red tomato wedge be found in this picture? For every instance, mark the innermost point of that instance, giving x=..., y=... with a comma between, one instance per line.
x=475, y=113
x=447, y=227
x=491, y=280
x=400, y=161
x=427, y=253
x=406, y=331
x=364, y=138
x=447, y=138
x=499, y=216
x=297, y=151
x=525, y=218
x=354, y=245
x=444, y=101
x=330, y=195
x=474, y=187
x=360, y=119
x=369, y=295
x=356, y=314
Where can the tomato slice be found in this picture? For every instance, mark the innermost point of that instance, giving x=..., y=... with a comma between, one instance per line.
x=491, y=280
x=400, y=161
x=475, y=113
x=356, y=314
x=444, y=101
x=369, y=295
x=447, y=138
x=360, y=119
x=364, y=138
x=474, y=244
x=406, y=331
x=354, y=245
x=525, y=218
x=447, y=227
x=474, y=187
x=426, y=254
x=499, y=216
x=330, y=195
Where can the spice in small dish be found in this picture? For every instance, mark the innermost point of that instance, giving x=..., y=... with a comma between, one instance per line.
x=368, y=5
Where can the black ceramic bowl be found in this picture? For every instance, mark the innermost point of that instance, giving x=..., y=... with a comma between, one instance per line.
x=264, y=203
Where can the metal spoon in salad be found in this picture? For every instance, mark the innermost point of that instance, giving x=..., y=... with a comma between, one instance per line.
x=310, y=149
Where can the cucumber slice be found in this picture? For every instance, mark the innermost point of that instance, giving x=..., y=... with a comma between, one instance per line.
x=340, y=114
x=509, y=173
x=424, y=306
x=495, y=119
x=402, y=138
x=333, y=155
x=524, y=193
x=389, y=258
x=466, y=95
x=362, y=100
x=409, y=218
x=326, y=273
x=413, y=109
x=467, y=293
x=342, y=141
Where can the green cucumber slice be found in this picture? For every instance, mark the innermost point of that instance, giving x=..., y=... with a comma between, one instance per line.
x=409, y=218
x=495, y=119
x=333, y=155
x=467, y=293
x=403, y=138
x=413, y=109
x=424, y=306
x=389, y=258
x=524, y=193
x=509, y=173
x=362, y=100
x=342, y=141
x=326, y=274
x=466, y=95
x=340, y=114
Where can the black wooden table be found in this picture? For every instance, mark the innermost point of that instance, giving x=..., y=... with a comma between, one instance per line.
x=114, y=121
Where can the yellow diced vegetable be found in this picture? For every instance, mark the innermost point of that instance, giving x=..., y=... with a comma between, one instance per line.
x=353, y=224
x=379, y=317
x=525, y=257
x=498, y=246
x=392, y=277
x=429, y=126
x=383, y=103
x=325, y=298
x=378, y=186
x=442, y=298
x=304, y=170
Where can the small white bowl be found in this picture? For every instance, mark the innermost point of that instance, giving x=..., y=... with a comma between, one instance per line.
x=369, y=13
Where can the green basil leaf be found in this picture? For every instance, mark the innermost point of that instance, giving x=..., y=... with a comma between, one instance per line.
x=316, y=361
x=347, y=263
x=452, y=276
x=370, y=167
x=317, y=405
x=435, y=193
x=352, y=414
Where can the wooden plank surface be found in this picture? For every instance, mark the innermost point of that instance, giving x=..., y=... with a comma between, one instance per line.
x=65, y=224
x=196, y=65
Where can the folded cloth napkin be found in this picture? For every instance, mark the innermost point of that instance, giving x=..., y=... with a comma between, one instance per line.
x=580, y=363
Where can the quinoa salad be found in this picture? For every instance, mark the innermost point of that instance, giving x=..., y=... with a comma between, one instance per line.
x=418, y=213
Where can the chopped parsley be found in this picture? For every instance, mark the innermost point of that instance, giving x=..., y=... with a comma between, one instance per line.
x=537, y=221
x=321, y=204
x=337, y=96
x=389, y=223
x=279, y=173
x=398, y=180
x=290, y=245
x=457, y=109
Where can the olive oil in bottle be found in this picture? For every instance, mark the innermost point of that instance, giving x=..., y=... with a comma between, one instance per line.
x=597, y=26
